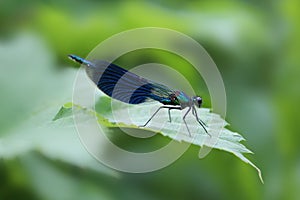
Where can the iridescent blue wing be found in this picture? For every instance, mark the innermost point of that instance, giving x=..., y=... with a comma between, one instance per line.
x=123, y=85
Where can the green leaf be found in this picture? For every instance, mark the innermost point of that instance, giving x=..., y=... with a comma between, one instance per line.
x=31, y=91
x=65, y=111
x=221, y=138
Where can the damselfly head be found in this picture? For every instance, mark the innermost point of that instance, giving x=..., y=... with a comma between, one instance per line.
x=197, y=101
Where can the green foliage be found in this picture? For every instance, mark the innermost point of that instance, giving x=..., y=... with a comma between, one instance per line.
x=31, y=93
x=255, y=46
x=225, y=139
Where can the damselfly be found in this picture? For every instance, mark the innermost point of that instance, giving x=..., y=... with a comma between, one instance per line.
x=128, y=87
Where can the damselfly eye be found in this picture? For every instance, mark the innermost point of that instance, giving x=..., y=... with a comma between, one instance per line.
x=198, y=101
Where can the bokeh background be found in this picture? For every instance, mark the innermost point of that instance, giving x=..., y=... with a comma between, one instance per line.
x=255, y=45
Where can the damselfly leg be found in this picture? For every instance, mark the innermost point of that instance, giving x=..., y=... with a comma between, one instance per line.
x=169, y=108
x=194, y=112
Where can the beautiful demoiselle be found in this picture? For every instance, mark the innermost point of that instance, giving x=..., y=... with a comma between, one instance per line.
x=128, y=87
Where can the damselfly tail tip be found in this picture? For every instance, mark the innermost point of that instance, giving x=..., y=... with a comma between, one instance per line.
x=75, y=58
x=71, y=56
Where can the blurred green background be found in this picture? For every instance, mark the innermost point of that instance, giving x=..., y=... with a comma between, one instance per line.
x=255, y=45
